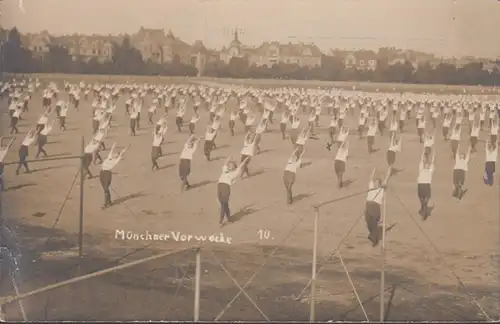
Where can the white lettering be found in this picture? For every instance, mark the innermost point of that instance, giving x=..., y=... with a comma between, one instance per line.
x=120, y=234
x=176, y=236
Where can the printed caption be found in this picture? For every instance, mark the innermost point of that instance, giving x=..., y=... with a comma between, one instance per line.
x=264, y=234
x=171, y=236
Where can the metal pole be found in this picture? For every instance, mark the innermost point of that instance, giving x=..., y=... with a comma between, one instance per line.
x=82, y=183
x=312, y=312
x=197, y=286
x=382, y=257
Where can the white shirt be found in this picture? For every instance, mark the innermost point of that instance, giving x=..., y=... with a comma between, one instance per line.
x=3, y=153
x=250, y=120
x=342, y=154
x=187, y=152
x=229, y=177
x=284, y=119
x=296, y=124
x=461, y=164
x=421, y=123
x=92, y=147
x=134, y=114
x=248, y=149
x=474, y=131
x=301, y=140
x=152, y=109
x=342, y=136
x=455, y=135
x=100, y=135
x=429, y=141
x=372, y=130
x=394, y=126
x=447, y=122
x=110, y=163
x=333, y=123
x=395, y=147
x=376, y=195
x=28, y=140
x=17, y=113
x=209, y=136
x=46, y=130
x=157, y=138
x=293, y=164
x=425, y=175
x=194, y=119
x=494, y=129
x=43, y=120
x=491, y=156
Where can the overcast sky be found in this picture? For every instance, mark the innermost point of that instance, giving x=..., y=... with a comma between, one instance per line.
x=445, y=27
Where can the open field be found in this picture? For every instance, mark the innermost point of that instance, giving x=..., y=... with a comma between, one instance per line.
x=420, y=285
x=271, y=83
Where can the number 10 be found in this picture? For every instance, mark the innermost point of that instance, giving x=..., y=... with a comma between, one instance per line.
x=264, y=234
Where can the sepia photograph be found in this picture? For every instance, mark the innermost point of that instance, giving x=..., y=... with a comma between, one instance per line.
x=249, y=160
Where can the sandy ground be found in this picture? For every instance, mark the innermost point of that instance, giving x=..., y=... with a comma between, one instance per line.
x=423, y=259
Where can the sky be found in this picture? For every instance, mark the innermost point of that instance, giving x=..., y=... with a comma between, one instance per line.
x=443, y=27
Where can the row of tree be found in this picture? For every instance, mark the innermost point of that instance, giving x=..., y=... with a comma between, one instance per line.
x=127, y=60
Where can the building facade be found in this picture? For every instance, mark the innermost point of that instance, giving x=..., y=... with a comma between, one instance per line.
x=271, y=53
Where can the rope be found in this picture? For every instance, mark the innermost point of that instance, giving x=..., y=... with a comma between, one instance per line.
x=62, y=207
x=179, y=286
x=260, y=267
x=441, y=256
x=353, y=287
x=124, y=204
x=10, y=299
x=46, y=159
x=242, y=290
x=330, y=257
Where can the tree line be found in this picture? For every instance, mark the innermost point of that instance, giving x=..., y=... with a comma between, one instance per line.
x=127, y=60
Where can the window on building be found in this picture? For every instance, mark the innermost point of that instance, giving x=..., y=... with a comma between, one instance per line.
x=94, y=52
x=362, y=62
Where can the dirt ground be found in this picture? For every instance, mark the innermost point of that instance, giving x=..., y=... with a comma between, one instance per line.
x=423, y=259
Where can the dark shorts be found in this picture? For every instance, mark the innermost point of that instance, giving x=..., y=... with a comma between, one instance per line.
x=288, y=179
x=489, y=167
x=391, y=157
x=184, y=168
x=458, y=177
x=105, y=178
x=339, y=166
x=424, y=190
x=373, y=214
x=223, y=192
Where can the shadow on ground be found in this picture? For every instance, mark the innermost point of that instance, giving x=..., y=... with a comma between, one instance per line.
x=164, y=288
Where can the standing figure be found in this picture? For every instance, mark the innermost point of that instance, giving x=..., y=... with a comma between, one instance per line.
x=294, y=163
x=341, y=161
x=185, y=160
x=425, y=173
x=459, y=171
x=490, y=164
x=106, y=175
x=230, y=172
x=24, y=151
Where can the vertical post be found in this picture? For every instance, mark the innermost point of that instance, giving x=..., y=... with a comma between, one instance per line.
x=382, y=268
x=197, y=286
x=312, y=312
x=82, y=183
